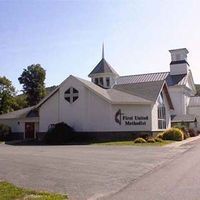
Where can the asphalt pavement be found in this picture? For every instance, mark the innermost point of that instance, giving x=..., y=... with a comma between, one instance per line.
x=178, y=179
x=103, y=172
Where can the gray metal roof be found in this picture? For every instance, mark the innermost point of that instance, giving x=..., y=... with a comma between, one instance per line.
x=103, y=67
x=113, y=95
x=147, y=90
x=22, y=113
x=194, y=101
x=160, y=76
x=184, y=118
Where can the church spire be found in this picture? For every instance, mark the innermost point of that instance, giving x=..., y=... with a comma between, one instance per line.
x=103, y=51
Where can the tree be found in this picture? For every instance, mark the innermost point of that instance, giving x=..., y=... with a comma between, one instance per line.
x=20, y=102
x=7, y=93
x=32, y=79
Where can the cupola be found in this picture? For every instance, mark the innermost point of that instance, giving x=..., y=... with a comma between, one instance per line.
x=179, y=64
x=103, y=74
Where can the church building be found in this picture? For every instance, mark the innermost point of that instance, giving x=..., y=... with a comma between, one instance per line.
x=111, y=104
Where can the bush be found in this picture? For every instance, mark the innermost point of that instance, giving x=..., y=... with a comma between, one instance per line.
x=140, y=140
x=192, y=132
x=4, y=131
x=151, y=140
x=184, y=130
x=144, y=136
x=61, y=133
x=157, y=139
x=174, y=134
x=185, y=135
x=160, y=135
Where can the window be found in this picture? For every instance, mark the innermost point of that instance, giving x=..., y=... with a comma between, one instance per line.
x=161, y=113
x=71, y=95
x=107, y=81
x=101, y=81
x=96, y=81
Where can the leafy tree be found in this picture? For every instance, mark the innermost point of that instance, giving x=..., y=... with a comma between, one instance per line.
x=20, y=102
x=32, y=79
x=7, y=93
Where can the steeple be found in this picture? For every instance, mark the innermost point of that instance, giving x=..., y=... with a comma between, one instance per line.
x=103, y=51
x=103, y=74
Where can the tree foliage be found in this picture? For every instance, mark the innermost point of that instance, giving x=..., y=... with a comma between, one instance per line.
x=33, y=79
x=198, y=89
x=7, y=93
x=20, y=102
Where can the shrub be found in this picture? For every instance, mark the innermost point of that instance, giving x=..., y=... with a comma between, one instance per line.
x=192, y=132
x=140, y=140
x=157, y=139
x=184, y=130
x=160, y=135
x=185, y=135
x=61, y=133
x=4, y=131
x=144, y=136
x=151, y=140
x=173, y=134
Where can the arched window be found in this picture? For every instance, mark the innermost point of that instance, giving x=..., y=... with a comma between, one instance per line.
x=161, y=112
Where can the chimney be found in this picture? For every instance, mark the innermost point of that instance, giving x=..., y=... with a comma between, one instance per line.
x=179, y=64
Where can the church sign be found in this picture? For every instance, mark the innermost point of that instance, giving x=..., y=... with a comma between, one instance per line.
x=130, y=120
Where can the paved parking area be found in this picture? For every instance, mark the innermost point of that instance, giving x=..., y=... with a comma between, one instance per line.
x=84, y=172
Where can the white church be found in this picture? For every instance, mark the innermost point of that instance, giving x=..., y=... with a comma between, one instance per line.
x=111, y=104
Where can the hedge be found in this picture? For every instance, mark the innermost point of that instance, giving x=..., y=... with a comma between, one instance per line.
x=174, y=134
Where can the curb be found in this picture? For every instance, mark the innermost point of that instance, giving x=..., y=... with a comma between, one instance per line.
x=178, y=144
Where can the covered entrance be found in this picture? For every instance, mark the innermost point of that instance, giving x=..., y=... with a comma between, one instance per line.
x=29, y=130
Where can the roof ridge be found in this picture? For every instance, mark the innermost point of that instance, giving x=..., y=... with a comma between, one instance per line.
x=163, y=80
x=143, y=74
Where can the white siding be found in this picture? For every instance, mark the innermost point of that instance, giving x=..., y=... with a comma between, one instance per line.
x=89, y=112
x=178, y=100
x=135, y=111
x=18, y=125
x=49, y=112
x=15, y=124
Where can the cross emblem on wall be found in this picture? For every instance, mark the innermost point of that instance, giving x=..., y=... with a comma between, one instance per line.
x=71, y=95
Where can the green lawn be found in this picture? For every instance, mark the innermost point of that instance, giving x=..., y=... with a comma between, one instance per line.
x=131, y=143
x=10, y=192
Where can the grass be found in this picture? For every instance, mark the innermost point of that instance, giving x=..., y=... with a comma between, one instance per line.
x=131, y=143
x=9, y=191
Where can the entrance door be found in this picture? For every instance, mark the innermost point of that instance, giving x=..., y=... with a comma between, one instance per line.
x=29, y=130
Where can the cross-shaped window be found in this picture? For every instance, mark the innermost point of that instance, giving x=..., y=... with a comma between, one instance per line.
x=71, y=95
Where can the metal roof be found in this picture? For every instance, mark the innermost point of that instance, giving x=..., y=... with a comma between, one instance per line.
x=22, y=113
x=194, y=101
x=103, y=67
x=159, y=76
x=147, y=90
x=184, y=118
x=113, y=95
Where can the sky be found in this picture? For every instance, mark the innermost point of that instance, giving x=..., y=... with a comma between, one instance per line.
x=66, y=37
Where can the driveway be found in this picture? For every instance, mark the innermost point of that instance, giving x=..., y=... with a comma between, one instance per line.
x=83, y=172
